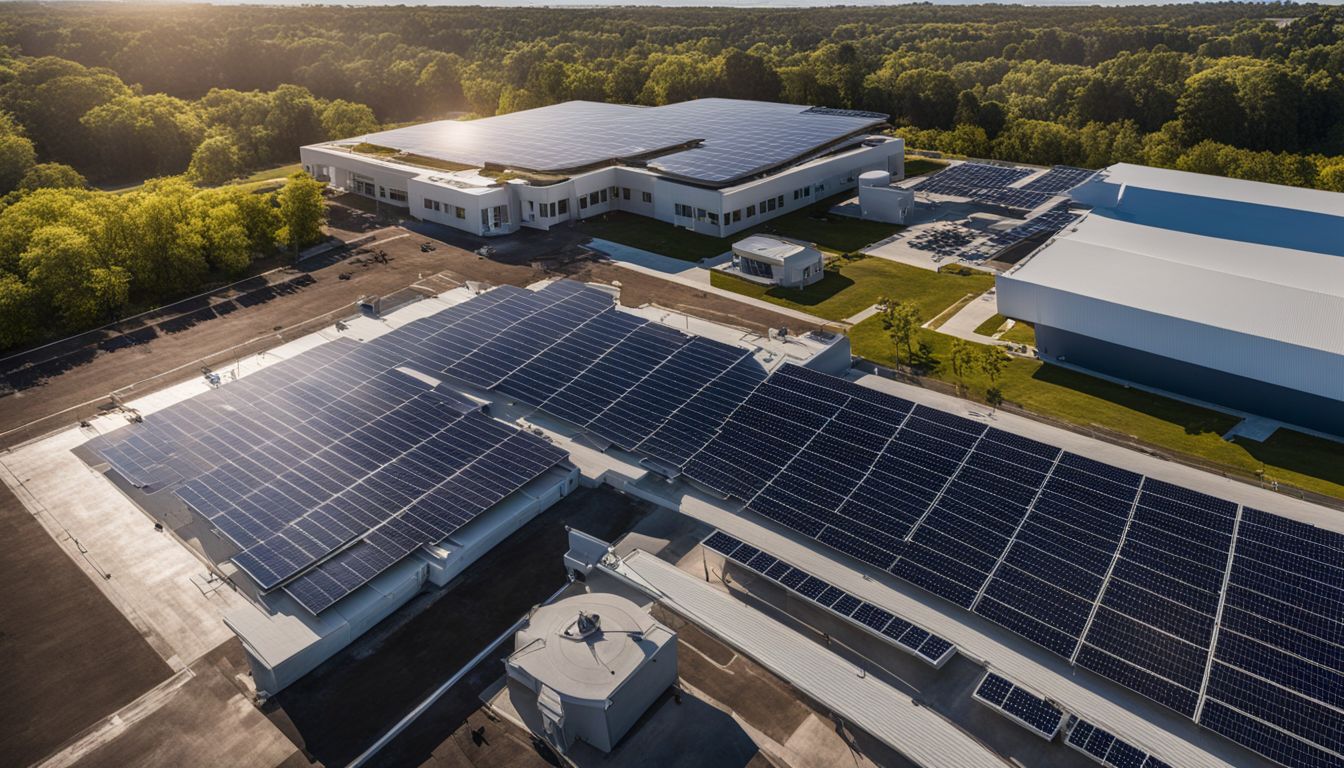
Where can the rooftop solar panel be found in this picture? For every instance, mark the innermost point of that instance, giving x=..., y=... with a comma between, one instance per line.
x=714, y=141
x=1058, y=180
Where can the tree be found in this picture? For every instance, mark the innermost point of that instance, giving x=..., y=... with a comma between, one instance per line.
x=302, y=212
x=1331, y=177
x=747, y=76
x=901, y=321
x=139, y=136
x=58, y=265
x=992, y=361
x=961, y=358
x=16, y=159
x=52, y=176
x=215, y=161
x=343, y=119
x=1209, y=109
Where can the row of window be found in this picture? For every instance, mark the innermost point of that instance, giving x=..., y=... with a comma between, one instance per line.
x=550, y=210
x=457, y=210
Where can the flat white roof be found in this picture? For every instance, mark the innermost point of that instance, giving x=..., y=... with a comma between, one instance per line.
x=774, y=250
x=1223, y=188
x=1292, y=296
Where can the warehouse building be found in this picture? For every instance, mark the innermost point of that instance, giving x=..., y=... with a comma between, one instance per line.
x=1221, y=290
x=715, y=166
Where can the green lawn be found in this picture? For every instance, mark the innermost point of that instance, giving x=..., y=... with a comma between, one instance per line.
x=839, y=234
x=1020, y=333
x=851, y=285
x=1288, y=457
x=918, y=166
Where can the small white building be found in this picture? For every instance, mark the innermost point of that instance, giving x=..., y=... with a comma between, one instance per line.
x=714, y=166
x=879, y=201
x=777, y=261
x=595, y=663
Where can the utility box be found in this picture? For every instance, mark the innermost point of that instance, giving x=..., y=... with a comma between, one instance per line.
x=595, y=662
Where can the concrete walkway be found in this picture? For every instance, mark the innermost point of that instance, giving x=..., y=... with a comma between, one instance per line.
x=964, y=322
x=859, y=317
x=692, y=274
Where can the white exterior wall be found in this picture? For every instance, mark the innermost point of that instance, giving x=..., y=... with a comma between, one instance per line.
x=821, y=178
x=1253, y=357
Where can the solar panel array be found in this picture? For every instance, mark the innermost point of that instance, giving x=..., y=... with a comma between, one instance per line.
x=1117, y=573
x=1037, y=714
x=1058, y=180
x=329, y=467
x=963, y=178
x=1102, y=745
x=726, y=139
x=928, y=647
x=993, y=185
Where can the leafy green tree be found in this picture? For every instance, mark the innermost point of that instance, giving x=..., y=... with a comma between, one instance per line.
x=228, y=248
x=747, y=76
x=137, y=136
x=17, y=311
x=1209, y=109
x=302, y=212
x=215, y=161
x=17, y=157
x=961, y=358
x=1331, y=177
x=901, y=321
x=58, y=265
x=343, y=119
x=52, y=176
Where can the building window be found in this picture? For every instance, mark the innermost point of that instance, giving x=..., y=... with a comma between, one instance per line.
x=550, y=208
x=648, y=197
x=699, y=214
x=615, y=193
x=713, y=218
x=382, y=192
x=502, y=214
x=807, y=271
x=397, y=196
x=751, y=211
x=780, y=199
x=583, y=202
x=429, y=203
x=807, y=191
x=797, y=193
x=593, y=198
x=685, y=210
x=564, y=207
x=737, y=215
x=436, y=206
x=531, y=206
x=485, y=218
x=625, y=193
x=603, y=193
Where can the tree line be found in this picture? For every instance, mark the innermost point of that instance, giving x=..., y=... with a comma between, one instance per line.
x=74, y=258
x=1211, y=87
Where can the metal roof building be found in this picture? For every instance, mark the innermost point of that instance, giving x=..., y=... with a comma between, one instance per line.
x=1222, y=290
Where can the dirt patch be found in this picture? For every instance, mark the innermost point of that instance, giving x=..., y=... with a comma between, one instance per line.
x=68, y=657
x=757, y=696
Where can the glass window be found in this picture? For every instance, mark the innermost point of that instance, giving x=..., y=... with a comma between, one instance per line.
x=397, y=195
x=699, y=214
x=583, y=202
x=625, y=193
x=713, y=218
x=751, y=211
x=459, y=212
x=603, y=192
x=648, y=197
x=592, y=198
x=429, y=203
x=564, y=206
x=781, y=201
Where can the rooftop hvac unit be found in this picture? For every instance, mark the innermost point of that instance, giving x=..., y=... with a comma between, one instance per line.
x=371, y=306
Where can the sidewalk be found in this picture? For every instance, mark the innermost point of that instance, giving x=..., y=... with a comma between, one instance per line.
x=963, y=324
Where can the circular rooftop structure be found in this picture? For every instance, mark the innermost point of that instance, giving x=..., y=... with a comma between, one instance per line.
x=587, y=646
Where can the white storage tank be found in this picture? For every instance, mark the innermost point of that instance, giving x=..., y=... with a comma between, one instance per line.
x=874, y=179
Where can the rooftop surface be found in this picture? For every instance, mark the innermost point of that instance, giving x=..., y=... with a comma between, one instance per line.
x=1288, y=295
x=713, y=141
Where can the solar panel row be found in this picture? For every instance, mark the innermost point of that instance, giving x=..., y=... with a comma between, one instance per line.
x=928, y=647
x=1058, y=180
x=336, y=463
x=1037, y=714
x=1119, y=574
x=1102, y=745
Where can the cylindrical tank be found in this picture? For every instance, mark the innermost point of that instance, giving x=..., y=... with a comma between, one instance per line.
x=874, y=179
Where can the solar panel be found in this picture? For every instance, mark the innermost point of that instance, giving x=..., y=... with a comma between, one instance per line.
x=709, y=140
x=929, y=648
x=1103, y=746
x=1028, y=709
x=1058, y=180
x=958, y=180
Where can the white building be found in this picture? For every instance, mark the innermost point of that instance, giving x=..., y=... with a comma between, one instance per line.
x=777, y=261
x=1227, y=291
x=714, y=166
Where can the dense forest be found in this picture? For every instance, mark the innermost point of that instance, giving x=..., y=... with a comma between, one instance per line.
x=119, y=93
